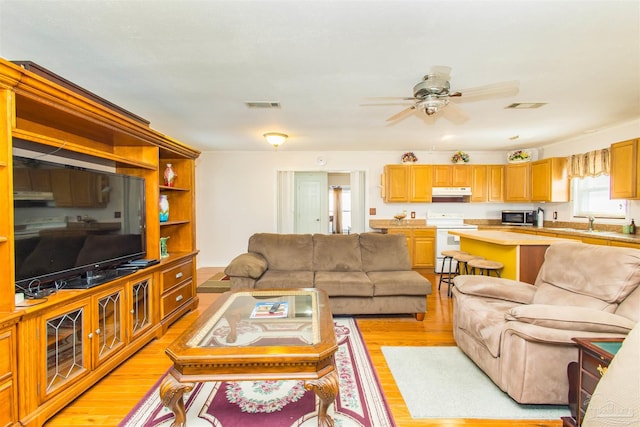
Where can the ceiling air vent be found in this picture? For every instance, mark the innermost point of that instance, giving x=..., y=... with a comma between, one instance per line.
x=525, y=105
x=262, y=104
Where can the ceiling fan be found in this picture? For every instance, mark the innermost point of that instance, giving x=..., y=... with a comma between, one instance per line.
x=433, y=96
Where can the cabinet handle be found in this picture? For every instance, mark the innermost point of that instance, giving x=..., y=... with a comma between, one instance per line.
x=133, y=311
x=179, y=298
x=179, y=275
x=601, y=369
x=98, y=331
x=90, y=335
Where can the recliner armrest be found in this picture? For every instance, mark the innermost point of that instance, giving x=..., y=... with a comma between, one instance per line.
x=494, y=287
x=249, y=264
x=570, y=318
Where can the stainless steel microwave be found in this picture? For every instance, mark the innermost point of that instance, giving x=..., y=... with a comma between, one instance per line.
x=519, y=217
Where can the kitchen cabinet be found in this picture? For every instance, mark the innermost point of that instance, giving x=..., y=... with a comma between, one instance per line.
x=407, y=183
x=549, y=180
x=517, y=182
x=452, y=175
x=79, y=189
x=495, y=184
x=624, y=175
x=421, y=243
x=479, y=183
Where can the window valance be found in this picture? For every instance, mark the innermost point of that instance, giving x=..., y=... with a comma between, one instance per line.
x=594, y=163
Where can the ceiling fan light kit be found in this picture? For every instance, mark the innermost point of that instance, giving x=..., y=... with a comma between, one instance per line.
x=276, y=138
x=433, y=95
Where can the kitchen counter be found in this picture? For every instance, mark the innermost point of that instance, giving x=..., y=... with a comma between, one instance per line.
x=500, y=237
x=522, y=254
x=385, y=224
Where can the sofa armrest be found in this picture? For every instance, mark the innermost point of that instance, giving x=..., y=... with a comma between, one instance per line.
x=580, y=319
x=247, y=265
x=494, y=287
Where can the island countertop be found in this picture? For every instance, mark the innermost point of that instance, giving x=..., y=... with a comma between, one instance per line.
x=507, y=238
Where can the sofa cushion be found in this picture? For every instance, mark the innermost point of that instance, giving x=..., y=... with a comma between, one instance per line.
x=399, y=283
x=285, y=279
x=483, y=319
x=384, y=252
x=495, y=287
x=250, y=264
x=336, y=252
x=553, y=295
x=580, y=268
x=570, y=318
x=284, y=252
x=348, y=284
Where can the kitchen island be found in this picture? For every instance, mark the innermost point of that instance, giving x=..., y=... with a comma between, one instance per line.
x=521, y=254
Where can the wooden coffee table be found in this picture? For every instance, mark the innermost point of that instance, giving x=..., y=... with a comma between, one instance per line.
x=233, y=340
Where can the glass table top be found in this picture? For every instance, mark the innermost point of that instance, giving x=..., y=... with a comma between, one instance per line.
x=261, y=318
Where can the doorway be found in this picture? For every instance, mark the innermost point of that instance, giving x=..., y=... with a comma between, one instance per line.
x=303, y=200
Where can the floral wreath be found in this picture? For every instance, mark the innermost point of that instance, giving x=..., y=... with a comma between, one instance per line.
x=409, y=157
x=460, y=156
x=519, y=155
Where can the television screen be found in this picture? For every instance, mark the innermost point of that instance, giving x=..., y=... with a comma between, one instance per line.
x=72, y=223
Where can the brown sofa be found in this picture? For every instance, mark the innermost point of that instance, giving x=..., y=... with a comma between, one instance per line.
x=368, y=273
x=520, y=334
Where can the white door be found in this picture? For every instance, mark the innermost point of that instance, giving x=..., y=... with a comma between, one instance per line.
x=311, y=202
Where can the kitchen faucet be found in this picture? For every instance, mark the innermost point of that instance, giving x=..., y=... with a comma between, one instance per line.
x=591, y=221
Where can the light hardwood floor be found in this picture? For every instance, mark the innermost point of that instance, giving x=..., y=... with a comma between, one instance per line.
x=108, y=402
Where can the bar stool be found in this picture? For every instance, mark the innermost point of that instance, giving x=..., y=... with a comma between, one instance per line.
x=462, y=259
x=486, y=266
x=450, y=272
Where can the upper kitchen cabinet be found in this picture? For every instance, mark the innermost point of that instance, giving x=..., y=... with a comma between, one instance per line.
x=549, y=181
x=495, y=183
x=407, y=183
x=625, y=179
x=479, y=187
x=452, y=175
x=518, y=182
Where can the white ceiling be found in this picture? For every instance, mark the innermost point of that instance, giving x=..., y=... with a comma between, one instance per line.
x=189, y=66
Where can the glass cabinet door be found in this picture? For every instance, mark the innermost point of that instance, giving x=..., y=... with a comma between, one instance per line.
x=108, y=333
x=140, y=307
x=66, y=348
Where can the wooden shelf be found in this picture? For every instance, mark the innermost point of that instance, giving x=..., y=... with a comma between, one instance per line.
x=175, y=222
x=167, y=188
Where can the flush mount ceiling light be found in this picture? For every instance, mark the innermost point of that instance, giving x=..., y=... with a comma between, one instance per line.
x=275, y=138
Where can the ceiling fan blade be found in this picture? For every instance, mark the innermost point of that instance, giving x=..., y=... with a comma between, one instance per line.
x=495, y=90
x=385, y=103
x=454, y=114
x=373, y=98
x=402, y=113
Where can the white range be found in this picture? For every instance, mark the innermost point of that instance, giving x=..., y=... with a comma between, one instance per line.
x=445, y=241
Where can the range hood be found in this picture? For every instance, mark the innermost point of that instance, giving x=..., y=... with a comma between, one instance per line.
x=450, y=191
x=33, y=195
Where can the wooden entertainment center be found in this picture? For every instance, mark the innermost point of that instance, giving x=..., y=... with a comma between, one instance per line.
x=53, y=350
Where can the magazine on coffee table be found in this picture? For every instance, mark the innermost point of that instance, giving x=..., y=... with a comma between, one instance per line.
x=270, y=310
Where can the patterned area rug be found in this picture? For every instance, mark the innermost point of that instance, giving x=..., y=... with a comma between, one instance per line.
x=360, y=401
x=217, y=284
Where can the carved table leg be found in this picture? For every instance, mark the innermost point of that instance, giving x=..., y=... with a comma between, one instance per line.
x=326, y=388
x=171, y=391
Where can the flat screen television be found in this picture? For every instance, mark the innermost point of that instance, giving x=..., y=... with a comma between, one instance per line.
x=74, y=225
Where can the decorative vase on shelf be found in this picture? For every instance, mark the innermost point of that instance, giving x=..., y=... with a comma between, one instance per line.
x=164, y=208
x=169, y=176
x=163, y=247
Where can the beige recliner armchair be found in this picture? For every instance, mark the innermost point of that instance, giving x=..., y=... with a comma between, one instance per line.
x=520, y=334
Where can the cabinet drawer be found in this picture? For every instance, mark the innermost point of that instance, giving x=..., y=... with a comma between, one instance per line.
x=8, y=414
x=6, y=354
x=589, y=382
x=594, y=365
x=176, y=275
x=175, y=298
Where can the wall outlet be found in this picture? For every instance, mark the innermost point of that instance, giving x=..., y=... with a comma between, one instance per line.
x=372, y=211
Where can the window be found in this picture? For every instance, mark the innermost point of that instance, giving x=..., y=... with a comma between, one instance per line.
x=345, y=211
x=591, y=198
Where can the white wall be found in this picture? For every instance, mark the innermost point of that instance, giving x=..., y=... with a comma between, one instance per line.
x=236, y=190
